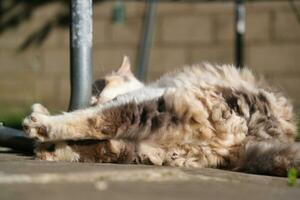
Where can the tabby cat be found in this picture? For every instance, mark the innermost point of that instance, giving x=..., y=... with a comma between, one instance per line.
x=201, y=116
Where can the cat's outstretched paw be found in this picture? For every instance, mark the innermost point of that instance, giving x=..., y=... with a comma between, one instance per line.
x=35, y=126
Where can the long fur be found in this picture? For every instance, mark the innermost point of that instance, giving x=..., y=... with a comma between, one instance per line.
x=200, y=116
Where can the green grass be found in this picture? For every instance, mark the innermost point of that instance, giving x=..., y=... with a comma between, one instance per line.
x=12, y=117
x=13, y=121
x=292, y=176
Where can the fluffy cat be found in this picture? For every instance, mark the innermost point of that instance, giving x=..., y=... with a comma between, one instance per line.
x=200, y=116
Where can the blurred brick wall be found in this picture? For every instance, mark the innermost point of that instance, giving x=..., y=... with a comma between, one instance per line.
x=185, y=34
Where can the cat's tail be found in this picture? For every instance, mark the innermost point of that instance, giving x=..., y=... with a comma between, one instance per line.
x=270, y=158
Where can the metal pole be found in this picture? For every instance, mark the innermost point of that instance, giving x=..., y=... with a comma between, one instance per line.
x=81, y=71
x=15, y=139
x=144, y=52
x=81, y=34
x=240, y=13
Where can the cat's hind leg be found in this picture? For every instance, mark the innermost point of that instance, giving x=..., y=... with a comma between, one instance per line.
x=101, y=151
x=97, y=151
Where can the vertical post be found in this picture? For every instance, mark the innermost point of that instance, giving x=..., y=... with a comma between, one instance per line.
x=81, y=34
x=144, y=52
x=240, y=13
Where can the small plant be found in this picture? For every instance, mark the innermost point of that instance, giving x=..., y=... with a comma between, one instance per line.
x=292, y=176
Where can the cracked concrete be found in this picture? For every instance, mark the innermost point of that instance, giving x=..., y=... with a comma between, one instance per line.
x=21, y=177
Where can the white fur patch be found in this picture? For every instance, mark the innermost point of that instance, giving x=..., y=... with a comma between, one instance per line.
x=65, y=153
x=154, y=154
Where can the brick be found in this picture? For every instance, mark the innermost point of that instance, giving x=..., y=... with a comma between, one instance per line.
x=14, y=37
x=186, y=29
x=56, y=63
x=225, y=27
x=108, y=59
x=18, y=90
x=185, y=34
x=166, y=59
x=165, y=8
x=274, y=59
x=55, y=39
x=104, y=9
x=25, y=63
x=64, y=92
x=64, y=38
x=100, y=34
x=46, y=90
x=136, y=9
x=213, y=54
x=169, y=59
x=257, y=27
x=49, y=10
x=213, y=7
x=128, y=32
x=286, y=26
x=37, y=22
x=265, y=6
x=53, y=93
x=18, y=73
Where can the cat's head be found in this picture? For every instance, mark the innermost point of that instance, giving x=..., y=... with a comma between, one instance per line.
x=116, y=83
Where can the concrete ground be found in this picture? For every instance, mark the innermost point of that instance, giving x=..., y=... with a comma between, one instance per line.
x=21, y=177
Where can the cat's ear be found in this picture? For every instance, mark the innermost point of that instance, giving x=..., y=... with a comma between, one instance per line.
x=125, y=68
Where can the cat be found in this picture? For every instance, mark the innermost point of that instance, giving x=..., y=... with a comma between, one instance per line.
x=114, y=84
x=200, y=116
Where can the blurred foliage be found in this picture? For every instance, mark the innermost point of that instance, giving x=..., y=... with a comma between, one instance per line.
x=14, y=12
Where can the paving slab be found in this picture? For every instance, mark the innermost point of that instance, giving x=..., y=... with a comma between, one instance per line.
x=22, y=177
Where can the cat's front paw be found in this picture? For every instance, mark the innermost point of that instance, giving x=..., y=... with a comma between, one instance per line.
x=35, y=126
